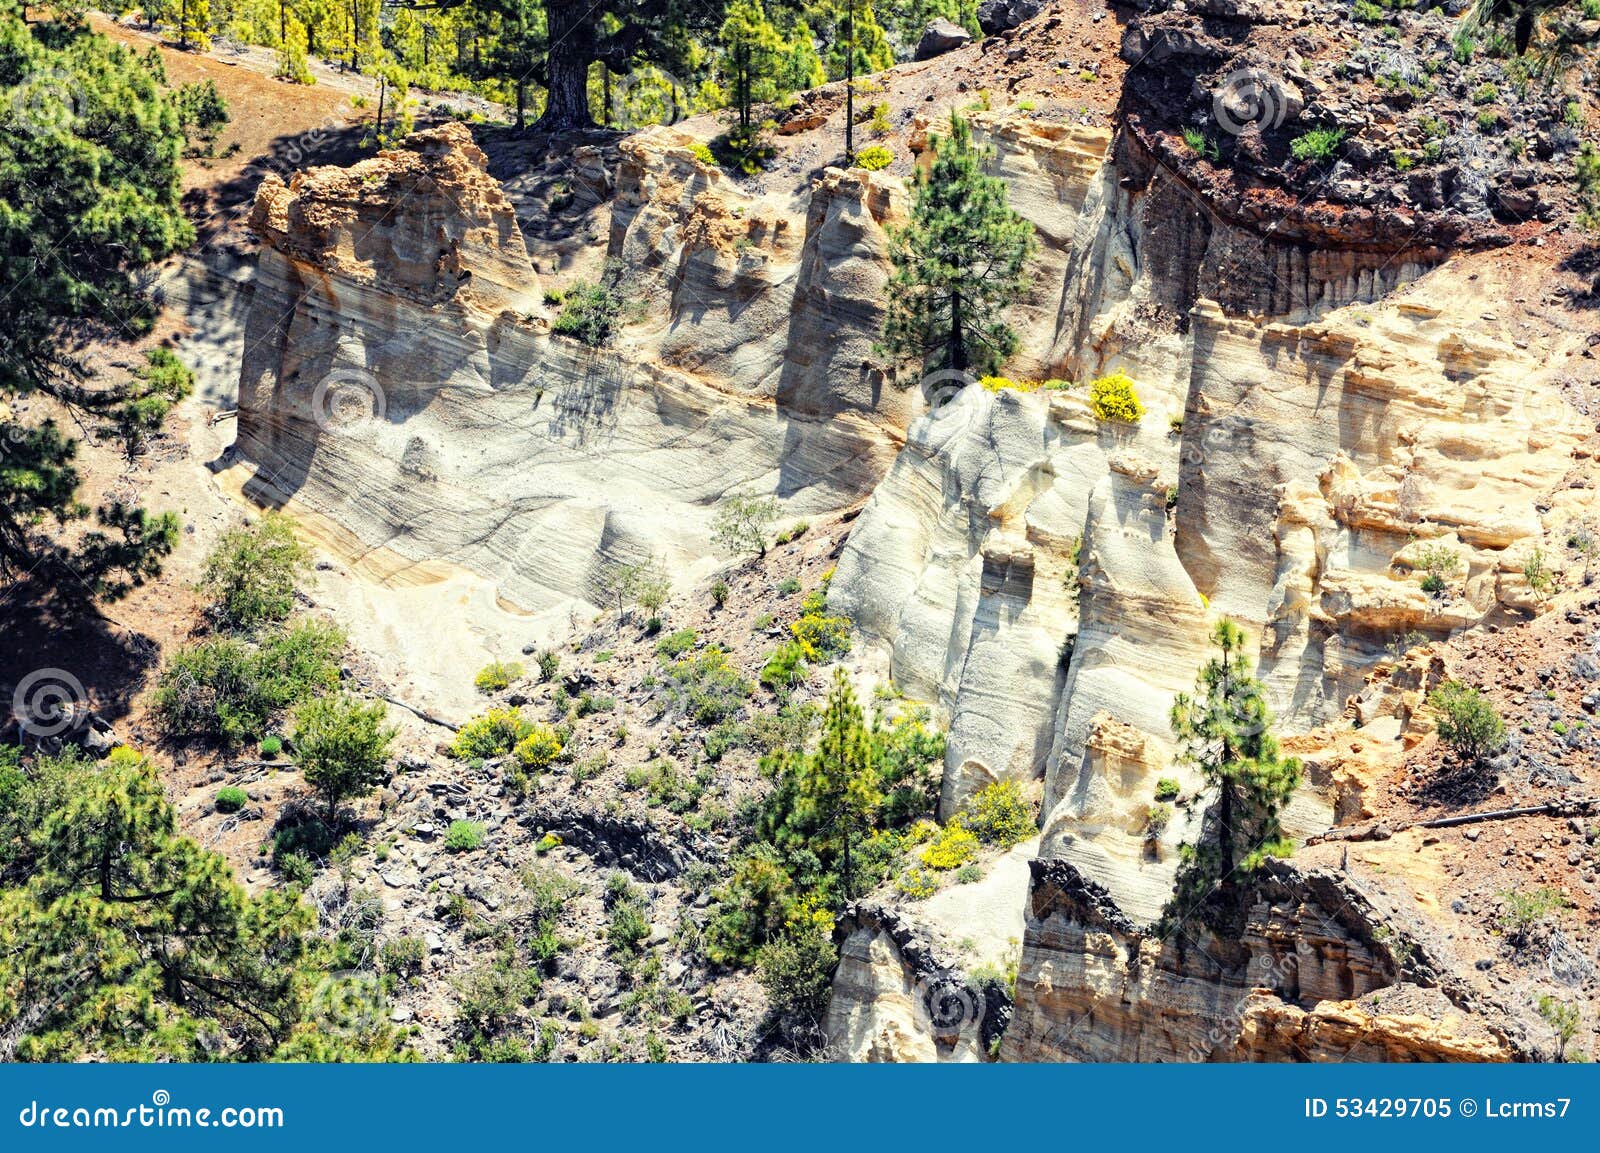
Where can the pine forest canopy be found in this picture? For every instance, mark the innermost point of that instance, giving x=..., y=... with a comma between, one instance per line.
x=566, y=57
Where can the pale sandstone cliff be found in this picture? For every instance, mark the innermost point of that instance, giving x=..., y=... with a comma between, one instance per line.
x=1021, y=565
x=483, y=442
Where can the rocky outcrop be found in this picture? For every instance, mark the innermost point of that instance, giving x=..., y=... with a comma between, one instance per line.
x=742, y=292
x=1320, y=972
x=399, y=390
x=939, y=37
x=895, y=999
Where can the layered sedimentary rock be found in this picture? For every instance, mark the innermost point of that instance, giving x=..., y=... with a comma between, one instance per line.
x=747, y=293
x=1319, y=971
x=397, y=380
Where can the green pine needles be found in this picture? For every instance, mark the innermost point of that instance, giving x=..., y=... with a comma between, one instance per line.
x=1225, y=730
x=959, y=264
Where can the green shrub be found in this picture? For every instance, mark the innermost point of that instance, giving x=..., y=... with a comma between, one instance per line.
x=703, y=154
x=1522, y=910
x=1167, y=789
x=592, y=312
x=627, y=928
x=785, y=666
x=342, y=746
x=591, y=703
x=251, y=574
x=231, y=799
x=270, y=747
x=536, y=749
x=719, y=593
x=953, y=847
x=1197, y=142
x=1468, y=722
x=796, y=971
x=463, y=836
x=1438, y=562
x=1156, y=819
x=706, y=687
x=549, y=664
x=403, y=956
x=793, y=533
x=674, y=645
x=1536, y=572
x=202, y=111
x=1316, y=145
x=494, y=734
x=1113, y=398
x=229, y=689
x=998, y=814
x=1485, y=94
x=496, y=676
x=874, y=157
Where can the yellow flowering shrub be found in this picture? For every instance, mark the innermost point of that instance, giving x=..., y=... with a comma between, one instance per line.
x=1113, y=398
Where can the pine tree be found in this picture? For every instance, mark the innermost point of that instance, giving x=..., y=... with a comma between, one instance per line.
x=751, y=52
x=1224, y=729
x=958, y=264
x=837, y=792
x=124, y=940
x=194, y=22
x=292, y=52
x=106, y=145
x=342, y=747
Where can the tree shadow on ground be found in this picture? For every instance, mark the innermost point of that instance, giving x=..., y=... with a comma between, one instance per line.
x=53, y=651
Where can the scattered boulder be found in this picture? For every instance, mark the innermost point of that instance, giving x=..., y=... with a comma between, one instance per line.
x=941, y=36
x=997, y=16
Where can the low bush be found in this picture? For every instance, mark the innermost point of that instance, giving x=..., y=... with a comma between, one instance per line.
x=494, y=734
x=231, y=799
x=1468, y=722
x=1167, y=789
x=1521, y=911
x=1317, y=145
x=463, y=836
x=496, y=676
x=592, y=312
x=674, y=645
x=784, y=667
x=549, y=664
x=230, y=689
x=874, y=157
x=706, y=687
x=403, y=956
x=1113, y=398
x=998, y=814
x=251, y=574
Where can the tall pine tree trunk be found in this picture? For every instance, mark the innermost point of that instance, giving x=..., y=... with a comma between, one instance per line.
x=850, y=83
x=958, y=336
x=570, y=25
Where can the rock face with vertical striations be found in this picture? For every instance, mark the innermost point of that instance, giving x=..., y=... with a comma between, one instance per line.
x=1318, y=973
x=400, y=387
